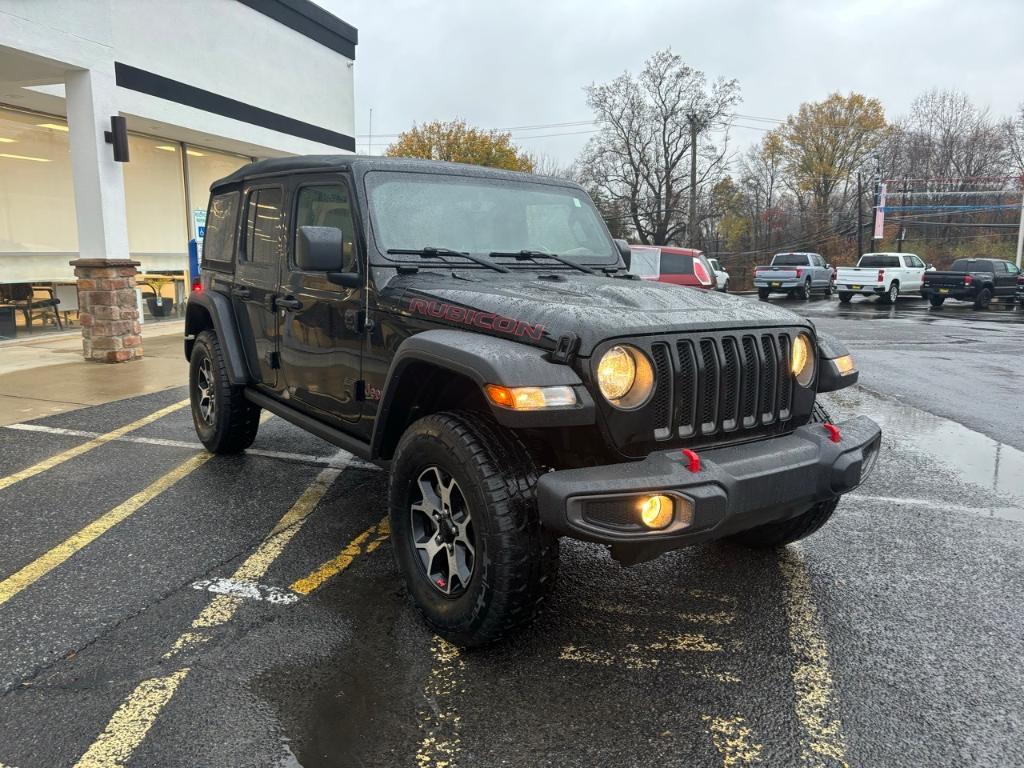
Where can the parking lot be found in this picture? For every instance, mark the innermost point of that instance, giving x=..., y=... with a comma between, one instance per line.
x=162, y=607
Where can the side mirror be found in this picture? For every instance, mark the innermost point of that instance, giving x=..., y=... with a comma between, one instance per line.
x=319, y=249
x=624, y=251
x=345, y=279
x=930, y=267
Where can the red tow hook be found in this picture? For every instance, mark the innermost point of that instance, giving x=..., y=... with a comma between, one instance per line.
x=833, y=432
x=694, y=459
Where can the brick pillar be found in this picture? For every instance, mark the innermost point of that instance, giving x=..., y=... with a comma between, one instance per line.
x=107, y=309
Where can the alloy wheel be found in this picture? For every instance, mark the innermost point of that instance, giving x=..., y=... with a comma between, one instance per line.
x=442, y=532
x=207, y=400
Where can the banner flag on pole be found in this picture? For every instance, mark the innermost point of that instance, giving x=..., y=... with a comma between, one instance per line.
x=880, y=213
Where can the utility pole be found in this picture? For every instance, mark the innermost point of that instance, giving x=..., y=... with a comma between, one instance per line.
x=369, y=138
x=860, y=217
x=691, y=226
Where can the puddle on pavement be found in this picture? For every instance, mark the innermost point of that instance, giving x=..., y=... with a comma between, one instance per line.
x=971, y=456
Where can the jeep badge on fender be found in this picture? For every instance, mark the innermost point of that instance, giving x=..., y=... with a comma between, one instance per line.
x=477, y=333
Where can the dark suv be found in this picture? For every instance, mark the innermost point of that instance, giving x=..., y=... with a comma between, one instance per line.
x=476, y=332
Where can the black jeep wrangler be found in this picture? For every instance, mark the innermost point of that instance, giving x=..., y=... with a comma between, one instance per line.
x=477, y=332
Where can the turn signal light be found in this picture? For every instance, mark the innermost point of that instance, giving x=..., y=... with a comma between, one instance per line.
x=656, y=511
x=530, y=398
x=845, y=365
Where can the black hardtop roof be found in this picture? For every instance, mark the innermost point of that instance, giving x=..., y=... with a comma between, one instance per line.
x=312, y=163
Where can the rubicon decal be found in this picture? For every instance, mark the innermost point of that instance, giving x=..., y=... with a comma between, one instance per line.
x=486, y=320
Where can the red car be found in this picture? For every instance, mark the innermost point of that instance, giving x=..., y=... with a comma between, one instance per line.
x=680, y=266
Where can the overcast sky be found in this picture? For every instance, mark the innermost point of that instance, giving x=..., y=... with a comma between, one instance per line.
x=524, y=62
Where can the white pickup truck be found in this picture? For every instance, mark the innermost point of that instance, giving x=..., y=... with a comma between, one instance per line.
x=885, y=275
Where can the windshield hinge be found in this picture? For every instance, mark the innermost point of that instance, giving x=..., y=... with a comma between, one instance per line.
x=566, y=348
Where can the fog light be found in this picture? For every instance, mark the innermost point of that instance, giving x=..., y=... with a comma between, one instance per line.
x=656, y=511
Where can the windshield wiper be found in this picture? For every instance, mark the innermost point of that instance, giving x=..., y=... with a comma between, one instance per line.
x=525, y=254
x=430, y=252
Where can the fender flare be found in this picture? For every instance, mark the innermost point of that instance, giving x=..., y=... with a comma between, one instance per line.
x=218, y=307
x=829, y=377
x=486, y=360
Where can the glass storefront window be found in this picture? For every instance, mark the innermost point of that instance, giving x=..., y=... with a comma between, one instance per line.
x=154, y=190
x=37, y=201
x=206, y=166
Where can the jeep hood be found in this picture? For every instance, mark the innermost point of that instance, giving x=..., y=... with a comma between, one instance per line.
x=538, y=310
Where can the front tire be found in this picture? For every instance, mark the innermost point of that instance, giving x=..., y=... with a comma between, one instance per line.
x=224, y=420
x=465, y=528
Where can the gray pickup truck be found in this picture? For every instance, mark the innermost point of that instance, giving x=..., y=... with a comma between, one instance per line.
x=797, y=274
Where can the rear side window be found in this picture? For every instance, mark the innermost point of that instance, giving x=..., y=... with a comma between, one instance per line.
x=790, y=260
x=676, y=264
x=263, y=226
x=879, y=260
x=221, y=226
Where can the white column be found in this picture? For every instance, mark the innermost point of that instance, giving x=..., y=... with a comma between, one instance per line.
x=98, y=182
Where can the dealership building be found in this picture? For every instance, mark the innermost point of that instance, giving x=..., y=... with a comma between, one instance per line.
x=205, y=86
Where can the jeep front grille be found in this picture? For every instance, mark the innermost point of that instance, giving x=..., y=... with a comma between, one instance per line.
x=708, y=385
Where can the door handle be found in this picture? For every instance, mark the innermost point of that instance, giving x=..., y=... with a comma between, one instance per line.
x=289, y=303
x=242, y=293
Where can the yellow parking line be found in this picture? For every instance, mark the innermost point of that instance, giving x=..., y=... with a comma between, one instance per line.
x=731, y=737
x=42, y=565
x=132, y=721
x=441, y=744
x=78, y=450
x=336, y=565
x=821, y=743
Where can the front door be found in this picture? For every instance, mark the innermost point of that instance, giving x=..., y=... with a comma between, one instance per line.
x=322, y=326
x=257, y=276
x=1006, y=279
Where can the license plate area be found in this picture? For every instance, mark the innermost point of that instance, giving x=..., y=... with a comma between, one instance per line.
x=943, y=290
x=776, y=284
x=856, y=287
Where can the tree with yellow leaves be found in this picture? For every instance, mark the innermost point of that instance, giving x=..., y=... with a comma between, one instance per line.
x=826, y=141
x=456, y=142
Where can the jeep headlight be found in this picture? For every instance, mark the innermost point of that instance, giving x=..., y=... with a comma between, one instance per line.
x=625, y=377
x=802, y=359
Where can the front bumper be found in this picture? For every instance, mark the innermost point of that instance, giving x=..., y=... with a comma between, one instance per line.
x=737, y=487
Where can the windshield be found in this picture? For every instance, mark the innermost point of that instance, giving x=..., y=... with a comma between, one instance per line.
x=878, y=260
x=481, y=216
x=789, y=260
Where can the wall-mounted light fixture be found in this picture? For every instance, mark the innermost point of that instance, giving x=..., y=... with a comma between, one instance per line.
x=118, y=136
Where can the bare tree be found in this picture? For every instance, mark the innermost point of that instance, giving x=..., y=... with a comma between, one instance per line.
x=639, y=161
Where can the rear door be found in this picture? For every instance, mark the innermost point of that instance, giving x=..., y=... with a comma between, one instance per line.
x=1006, y=278
x=910, y=275
x=257, y=277
x=323, y=323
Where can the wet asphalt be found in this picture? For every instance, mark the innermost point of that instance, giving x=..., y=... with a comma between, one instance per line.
x=892, y=637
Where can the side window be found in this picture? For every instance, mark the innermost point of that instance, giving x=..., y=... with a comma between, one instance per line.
x=327, y=205
x=219, y=244
x=916, y=262
x=263, y=226
x=1012, y=268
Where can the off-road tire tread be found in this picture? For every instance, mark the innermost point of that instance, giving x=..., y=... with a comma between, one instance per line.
x=242, y=416
x=525, y=561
